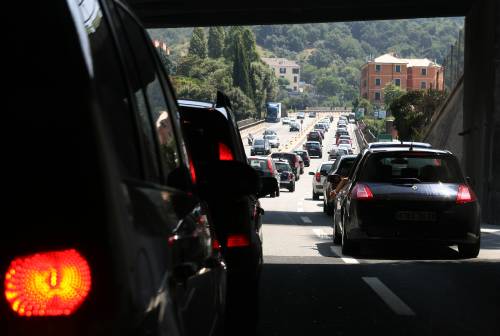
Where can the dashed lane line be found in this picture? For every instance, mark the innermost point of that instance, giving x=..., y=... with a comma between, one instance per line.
x=392, y=300
x=338, y=252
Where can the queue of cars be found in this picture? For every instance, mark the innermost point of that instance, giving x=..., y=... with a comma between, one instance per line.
x=132, y=228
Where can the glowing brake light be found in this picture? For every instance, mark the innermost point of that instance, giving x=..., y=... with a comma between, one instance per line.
x=318, y=176
x=48, y=283
x=225, y=153
x=361, y=192
x=237, y=240
x=465, y=195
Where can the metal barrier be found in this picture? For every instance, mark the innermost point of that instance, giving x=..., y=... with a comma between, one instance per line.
x=247, y=123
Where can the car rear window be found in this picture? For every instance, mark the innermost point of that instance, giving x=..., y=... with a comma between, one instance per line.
x=412, y=167
x=312, y=145
x=259, y=142
x=258, y=164
x=282, y=166
x=325, y=168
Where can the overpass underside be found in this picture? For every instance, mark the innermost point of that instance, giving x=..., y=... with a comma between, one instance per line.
x=479, y=136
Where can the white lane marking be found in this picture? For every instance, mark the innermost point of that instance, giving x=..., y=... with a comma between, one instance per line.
x=306, y=219
x=492, y=231
x=338, y=252
x=392, y=300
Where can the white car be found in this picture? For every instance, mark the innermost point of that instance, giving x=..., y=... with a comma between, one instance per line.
x=319, y=178
x=285, y=121
x=273, y=139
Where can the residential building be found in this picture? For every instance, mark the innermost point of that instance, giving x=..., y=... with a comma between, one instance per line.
x=284, y=68
x=162, y=45
x=408, y=73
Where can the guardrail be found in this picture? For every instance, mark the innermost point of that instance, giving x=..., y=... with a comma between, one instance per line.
x=362, y=143
x=247, y=123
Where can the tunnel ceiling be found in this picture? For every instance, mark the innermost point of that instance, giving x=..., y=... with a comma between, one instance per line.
x=178, y=13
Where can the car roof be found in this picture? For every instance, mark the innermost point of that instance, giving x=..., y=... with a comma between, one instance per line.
x=327, y=162
x=408, y=149
x=201, y=105
x=314, y=142
x=399, y=144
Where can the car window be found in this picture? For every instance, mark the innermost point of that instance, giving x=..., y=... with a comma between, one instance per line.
x=282, y=166
x=325, y=168
x=345, y=166
x=419, y=167
x=259, y=142
x=260, y=165
x=114, y=97
x=154, y=113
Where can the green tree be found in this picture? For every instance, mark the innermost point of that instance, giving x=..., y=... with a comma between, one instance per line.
x=391, y=93
x=241, y=67
x=216, y=36
x=248, y=39
x=198, y=43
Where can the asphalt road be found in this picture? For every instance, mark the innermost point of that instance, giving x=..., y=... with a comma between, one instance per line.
x=309, y=288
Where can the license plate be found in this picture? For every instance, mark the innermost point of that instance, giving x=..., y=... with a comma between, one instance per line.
x=416, y=216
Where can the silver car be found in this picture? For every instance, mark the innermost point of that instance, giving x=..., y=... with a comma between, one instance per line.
x=273, y=139
x=319, y=178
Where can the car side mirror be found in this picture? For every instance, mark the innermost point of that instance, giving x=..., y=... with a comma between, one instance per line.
x=268, y=185
x=468, y=179
x=311, y=173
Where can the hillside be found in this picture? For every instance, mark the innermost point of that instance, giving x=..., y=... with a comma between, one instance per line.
x=331, y=54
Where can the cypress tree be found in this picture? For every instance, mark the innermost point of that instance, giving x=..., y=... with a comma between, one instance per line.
x=241, y=67
x=250, y=45
x=198, y=43
x=215, y=42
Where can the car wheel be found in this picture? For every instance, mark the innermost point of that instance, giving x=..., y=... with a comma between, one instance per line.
x=292, y=188
x=337, y=237
x=469, y=250
x=348, y=247
x=315, y=196
x=320, y=156
x=273, y=194
x=324, y=206
x=277, y=192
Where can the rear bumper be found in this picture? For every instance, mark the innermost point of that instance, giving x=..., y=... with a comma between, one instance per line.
x=286, y=184
x=357, y=234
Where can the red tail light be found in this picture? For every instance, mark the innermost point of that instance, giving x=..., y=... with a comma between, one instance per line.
x=317, y=176
x=238, y=240
x=47, y=284
x=215, y=244
x=361, y=192
x=269, y=165
x=225, y=153
x=192, y=171
x=465, y=195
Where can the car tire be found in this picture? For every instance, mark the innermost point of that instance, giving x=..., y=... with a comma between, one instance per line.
x=337, y=237
x=273, y=194
x=277, y=192
x=292, y=188
x=315, y=196
x=320, y=156
x=468, y=251
x=324, y=206
x=348, y=247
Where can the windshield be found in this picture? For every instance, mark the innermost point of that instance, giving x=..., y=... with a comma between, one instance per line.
x=260, y=165
x=325, y=168
x=417, y=167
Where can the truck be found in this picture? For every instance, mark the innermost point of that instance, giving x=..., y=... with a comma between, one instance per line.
x=273, y=112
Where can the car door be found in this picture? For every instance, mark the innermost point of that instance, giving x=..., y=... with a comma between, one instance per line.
x=194, y=270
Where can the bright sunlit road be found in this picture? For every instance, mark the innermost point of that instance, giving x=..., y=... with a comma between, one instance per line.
x=309, y=288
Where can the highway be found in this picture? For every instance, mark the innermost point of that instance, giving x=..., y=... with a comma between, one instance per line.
x=309, y=288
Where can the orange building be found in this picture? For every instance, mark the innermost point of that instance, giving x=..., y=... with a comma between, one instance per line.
x=408, y=73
